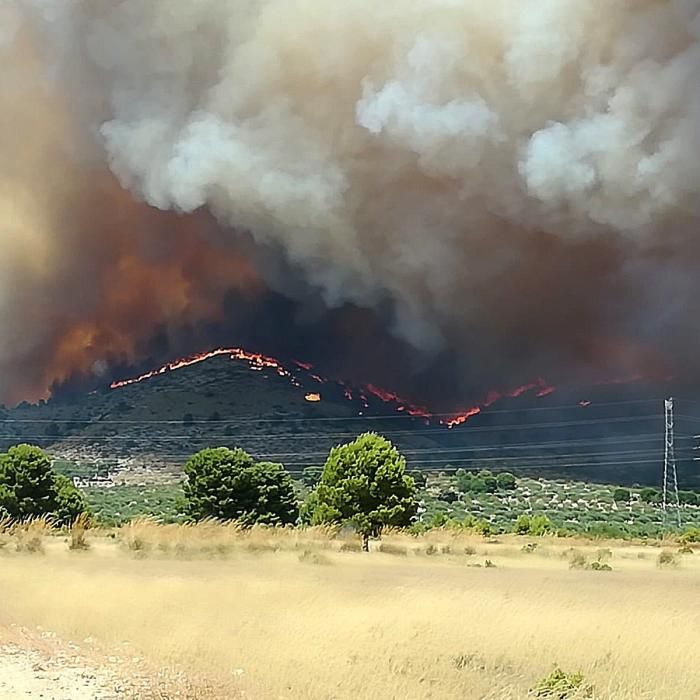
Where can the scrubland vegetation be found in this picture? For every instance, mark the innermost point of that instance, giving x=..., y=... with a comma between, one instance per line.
x=303, y=613
x=263, y=589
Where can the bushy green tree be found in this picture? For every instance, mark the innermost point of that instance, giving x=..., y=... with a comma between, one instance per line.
x=365, y=483
x=8, y=502
x=689, y=498
x=70, y=503
x=621, y=495
x=489, y=480
x=482, y=482
x=29, y=487
x=311, y=475
x=506, y=481
x=229, y=485
x=535, y=525
x=26, y=472
x=650, y=495
x=419, y=477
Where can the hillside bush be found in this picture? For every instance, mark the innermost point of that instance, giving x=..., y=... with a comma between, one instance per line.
x=621, y=495
x=505, y=481
x=482, y=482
x=689, y=498
x=535, y=525
x=650, y=495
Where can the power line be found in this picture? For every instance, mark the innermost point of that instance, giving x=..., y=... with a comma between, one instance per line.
x=418, y=433
x=260, y=419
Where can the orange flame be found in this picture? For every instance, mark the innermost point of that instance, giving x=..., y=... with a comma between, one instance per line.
x=258, y=362
x=543, y=389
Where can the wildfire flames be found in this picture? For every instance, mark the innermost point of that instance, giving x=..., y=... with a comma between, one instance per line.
x=258, y=362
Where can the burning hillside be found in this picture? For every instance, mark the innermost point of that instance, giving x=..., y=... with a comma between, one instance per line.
x=301, y=373
x=427, y=199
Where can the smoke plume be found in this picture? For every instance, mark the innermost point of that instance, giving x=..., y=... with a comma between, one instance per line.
x=486, y=193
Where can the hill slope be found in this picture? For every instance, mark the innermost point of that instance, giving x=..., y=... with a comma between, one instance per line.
x=288, y=414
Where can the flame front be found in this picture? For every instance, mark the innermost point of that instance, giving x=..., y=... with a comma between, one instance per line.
x=258, y=362
x=541, y=386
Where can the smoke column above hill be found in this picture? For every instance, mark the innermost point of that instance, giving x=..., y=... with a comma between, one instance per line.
x=509, y=191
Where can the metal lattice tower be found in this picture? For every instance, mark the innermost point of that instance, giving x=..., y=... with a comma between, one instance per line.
x=670, y=474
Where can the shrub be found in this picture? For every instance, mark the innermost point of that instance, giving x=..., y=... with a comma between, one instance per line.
x=438, y=520
x=505, y=481
x=29, y=535
x=599, y=566
x=535, y=525
x=390, y=548
x=621, y=495
x=419, y=477
x=689, y=498
x=561, y=686
x=522, y=525
x=604, y=554
x=483, y=527
x=691, y=534
x=577, y=560
x=666, y=559
x=685, y=549
x=70, y=503
x=483, y=482
x=78, y=530
x=650, y=495
x=448, y=496
x=311, y=476
x=540, y=525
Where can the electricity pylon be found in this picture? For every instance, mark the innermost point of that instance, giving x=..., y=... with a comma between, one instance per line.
x=670, y=474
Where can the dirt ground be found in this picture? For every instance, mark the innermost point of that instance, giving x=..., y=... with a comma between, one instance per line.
x=36, y=664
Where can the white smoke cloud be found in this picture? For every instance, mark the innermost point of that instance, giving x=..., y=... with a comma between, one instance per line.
x=417, y=152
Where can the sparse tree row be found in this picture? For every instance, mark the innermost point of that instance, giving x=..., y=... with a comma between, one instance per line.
x=363, y=484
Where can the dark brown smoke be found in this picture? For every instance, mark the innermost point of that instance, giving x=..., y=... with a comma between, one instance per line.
x=438, y=196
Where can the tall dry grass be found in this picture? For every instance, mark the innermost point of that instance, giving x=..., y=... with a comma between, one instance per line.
x=295, y=614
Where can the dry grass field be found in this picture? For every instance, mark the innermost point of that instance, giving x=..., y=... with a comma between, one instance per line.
x=300, y=615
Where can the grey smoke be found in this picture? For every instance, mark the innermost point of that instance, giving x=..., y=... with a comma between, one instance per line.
x=506, y=176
